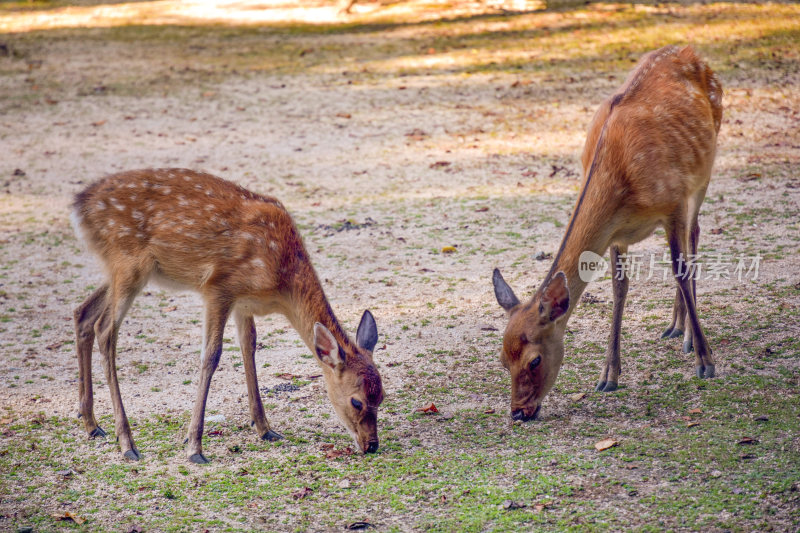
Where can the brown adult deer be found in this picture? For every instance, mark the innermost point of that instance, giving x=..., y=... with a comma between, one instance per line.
x=243, y=254
x=647, y=163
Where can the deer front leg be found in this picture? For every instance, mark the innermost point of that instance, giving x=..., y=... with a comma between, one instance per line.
x=247, y=342
x=86, y=315
x=107, y=329
x=694, y=237
x=609, y=377
x=704, y=362
x=216, y=316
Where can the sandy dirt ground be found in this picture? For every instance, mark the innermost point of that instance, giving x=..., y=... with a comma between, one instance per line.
x=383, y=159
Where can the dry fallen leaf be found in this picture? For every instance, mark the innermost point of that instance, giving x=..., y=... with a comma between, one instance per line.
x=489, y=412
x=509, y=505
x=696, y=411
x=448, y=249
x=482, y=209
x=343, y=115
x=577, y=396
x=287, y=376
x=67, y=515
x=430, y=408
x=302, y=493
x=747, y=440
x=333, y=454
x=605, y=444
x=692, y=424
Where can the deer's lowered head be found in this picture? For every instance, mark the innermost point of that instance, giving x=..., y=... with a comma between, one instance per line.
x=533, y=343
x=352, y=381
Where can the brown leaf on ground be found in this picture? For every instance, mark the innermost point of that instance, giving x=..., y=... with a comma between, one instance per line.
x=696, y=411
x=333, y=454
x=692, y=424
x=171, y=309
x=67, y=515
x=750, y=177
x=482, y=209
x=430, y=408
x=55, y=346
x=416, y=135
x=489, y=412
x=510, y=505
x=302, y=493
x=578, y=396
x=605, y=444
x=344, y=115
x=744, y=441
x=439, y=164
x=98, y=123
x=287, y=376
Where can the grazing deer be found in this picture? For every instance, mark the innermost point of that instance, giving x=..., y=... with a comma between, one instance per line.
x=243, y=254
x=647, y=163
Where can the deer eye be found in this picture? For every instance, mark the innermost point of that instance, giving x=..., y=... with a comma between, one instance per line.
x=535, y=362
x=358, y=405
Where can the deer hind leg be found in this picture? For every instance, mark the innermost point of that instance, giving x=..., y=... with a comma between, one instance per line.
x=246, y=330
x=677, y=327
x=86, y=315
x=678, y=237
x=124, y=287
x=216, y=314
x=609, y=377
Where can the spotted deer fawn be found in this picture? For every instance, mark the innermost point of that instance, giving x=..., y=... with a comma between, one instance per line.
x=243, y=254
x=647, y=163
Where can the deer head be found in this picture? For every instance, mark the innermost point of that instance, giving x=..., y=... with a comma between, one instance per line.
x=353, y=383
x=533, y=343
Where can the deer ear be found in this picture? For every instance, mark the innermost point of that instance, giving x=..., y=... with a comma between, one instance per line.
x=327, y=348
x=555, y=298
x=367, y=334
x=505, y=296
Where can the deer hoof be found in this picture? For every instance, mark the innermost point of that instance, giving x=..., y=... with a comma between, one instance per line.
x=687, y=346
x=705, y=371
x=610, y=386
x=199, y=459
x=133, y=454
x=271, y=436
x=97, y=432
x=600, y=386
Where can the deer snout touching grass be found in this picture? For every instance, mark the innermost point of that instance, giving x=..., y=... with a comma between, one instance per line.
x=646, y=163
x=243, y=254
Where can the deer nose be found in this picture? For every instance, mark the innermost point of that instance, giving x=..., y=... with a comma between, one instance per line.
x=372, y=447
x=519, y=414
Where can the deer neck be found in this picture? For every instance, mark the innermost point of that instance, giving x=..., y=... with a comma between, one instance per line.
x=308, y=305
x=590, y=229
